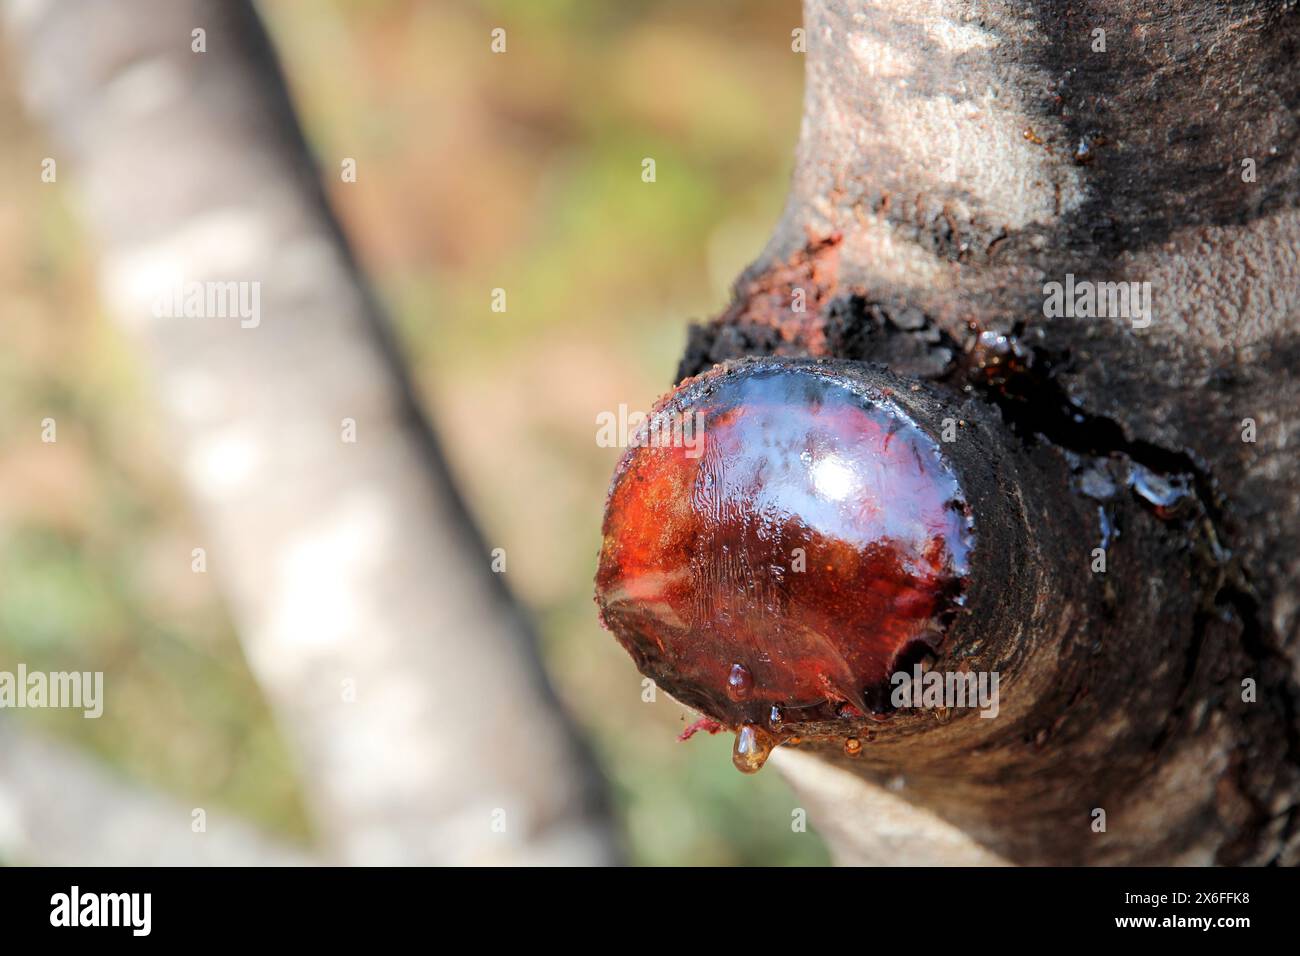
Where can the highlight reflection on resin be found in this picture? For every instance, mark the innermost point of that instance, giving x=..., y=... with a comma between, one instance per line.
x=817, y=544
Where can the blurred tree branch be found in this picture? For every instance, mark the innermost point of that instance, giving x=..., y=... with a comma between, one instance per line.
x=58, y=808
x=401, y=668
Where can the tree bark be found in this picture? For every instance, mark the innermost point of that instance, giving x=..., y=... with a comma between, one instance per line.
x=954, y=159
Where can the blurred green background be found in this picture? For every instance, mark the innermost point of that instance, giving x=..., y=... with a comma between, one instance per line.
x=475, y=171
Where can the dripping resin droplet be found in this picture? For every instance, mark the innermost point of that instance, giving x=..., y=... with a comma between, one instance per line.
x=775, y=720
x=777, y=571
x=753, y=747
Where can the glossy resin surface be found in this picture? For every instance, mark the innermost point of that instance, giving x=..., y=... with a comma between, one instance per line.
x=803, y=541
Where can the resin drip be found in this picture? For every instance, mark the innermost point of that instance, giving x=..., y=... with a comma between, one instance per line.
x=817, y=544
x=753, y=746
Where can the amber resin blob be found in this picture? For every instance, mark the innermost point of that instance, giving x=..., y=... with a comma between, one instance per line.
x=783, y=538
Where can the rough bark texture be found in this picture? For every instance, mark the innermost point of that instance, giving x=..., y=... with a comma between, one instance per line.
x=397, y=662
x=954, y=158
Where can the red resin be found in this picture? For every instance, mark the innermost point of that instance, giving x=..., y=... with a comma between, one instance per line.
x=698, y=575
x=706, y=724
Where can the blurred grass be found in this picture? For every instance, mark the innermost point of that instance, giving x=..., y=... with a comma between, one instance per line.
x=475, y=171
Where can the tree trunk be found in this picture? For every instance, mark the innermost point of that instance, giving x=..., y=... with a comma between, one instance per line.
x=955, y=159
